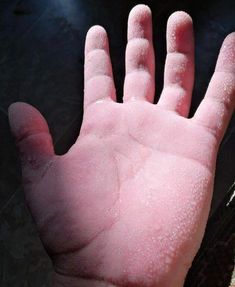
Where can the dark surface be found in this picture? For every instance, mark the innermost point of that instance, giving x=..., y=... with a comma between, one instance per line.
x=41, y=62
x=214, y=262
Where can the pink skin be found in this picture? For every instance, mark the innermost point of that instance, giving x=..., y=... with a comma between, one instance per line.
x=127, y=205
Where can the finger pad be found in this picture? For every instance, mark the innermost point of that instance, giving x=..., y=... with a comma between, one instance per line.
x=96, y=39
x=140, y=22
x=226, y=60
x=180, y=32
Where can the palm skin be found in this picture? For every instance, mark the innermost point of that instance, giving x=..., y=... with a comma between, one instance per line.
x=128, y=204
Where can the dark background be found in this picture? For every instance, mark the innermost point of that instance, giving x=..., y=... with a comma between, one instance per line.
x=41, y=63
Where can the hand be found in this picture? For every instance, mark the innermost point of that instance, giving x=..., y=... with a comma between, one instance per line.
x=128, y=203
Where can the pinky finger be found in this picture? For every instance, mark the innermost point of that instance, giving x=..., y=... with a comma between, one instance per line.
x=217, y=107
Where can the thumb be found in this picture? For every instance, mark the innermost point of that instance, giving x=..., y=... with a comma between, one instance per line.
x=32, y=138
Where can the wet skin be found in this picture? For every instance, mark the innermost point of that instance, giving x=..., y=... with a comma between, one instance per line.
x=127, y=205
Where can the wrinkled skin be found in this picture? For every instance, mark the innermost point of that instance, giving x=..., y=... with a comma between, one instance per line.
x=127, y=205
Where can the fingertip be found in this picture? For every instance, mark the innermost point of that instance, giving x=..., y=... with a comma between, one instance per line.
x=16, y=115
x=14, y=107
x=96, y=39
x=140, y=22
x=140, y=11
x=228, y=46
x=19, y=107
x=95, y=31
x=230, y=38
x=226, y=59
x=181, y=17
x=180, y=32
x=24, y=119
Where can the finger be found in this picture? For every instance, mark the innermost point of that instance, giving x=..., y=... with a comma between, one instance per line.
x=140, y=63
x=217, y=107
x=99, y=84
x=179, y=67
x=32, y=138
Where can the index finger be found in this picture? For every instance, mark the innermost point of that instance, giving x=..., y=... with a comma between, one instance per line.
x=217, y=107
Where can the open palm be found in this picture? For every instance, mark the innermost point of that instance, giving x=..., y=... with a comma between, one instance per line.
x=128, y=203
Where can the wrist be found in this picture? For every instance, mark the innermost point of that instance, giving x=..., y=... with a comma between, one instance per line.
x=59, y=280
